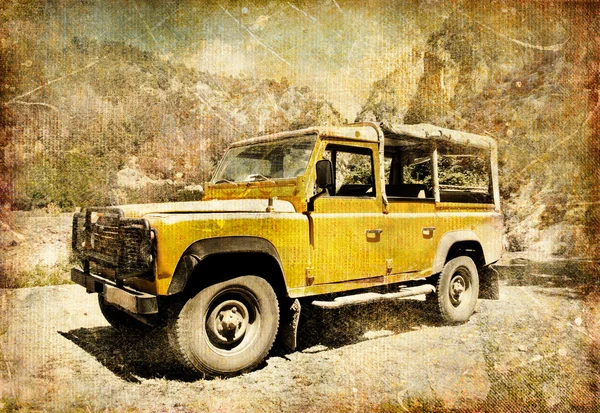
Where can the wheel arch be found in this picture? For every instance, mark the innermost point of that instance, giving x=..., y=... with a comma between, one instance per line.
x=456, y=243
x=237, y=253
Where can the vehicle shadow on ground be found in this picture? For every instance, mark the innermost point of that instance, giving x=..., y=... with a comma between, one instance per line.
x=334, y=328
x=571, y=278
x=132, y=358
x=129, y=356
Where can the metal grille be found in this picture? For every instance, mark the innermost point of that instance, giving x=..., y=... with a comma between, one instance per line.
x=102, y=237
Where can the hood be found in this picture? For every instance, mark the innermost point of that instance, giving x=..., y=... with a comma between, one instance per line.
x=217, y=205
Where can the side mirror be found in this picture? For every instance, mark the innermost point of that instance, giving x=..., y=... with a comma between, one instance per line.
x=324, y=174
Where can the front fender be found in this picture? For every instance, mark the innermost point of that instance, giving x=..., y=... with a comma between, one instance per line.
x=199, y=250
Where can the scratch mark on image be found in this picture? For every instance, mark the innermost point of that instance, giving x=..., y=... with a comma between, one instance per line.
x=273, y=52
x=338, y=6
x=148, y=29
x=299, y=10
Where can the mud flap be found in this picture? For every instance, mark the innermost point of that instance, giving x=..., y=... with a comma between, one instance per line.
x=489, y=284
x=288, y=330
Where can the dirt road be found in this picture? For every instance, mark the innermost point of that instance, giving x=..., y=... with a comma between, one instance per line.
x=535, y=348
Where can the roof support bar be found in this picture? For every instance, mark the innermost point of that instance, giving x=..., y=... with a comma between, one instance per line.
x=435, y=170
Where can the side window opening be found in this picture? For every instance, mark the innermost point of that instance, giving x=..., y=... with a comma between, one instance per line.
x=409, y=174
x=353, y=171
x=464, y=175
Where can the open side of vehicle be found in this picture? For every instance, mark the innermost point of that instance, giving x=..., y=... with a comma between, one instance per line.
x=328, y=215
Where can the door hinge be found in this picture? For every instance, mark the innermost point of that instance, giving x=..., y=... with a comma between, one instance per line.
x=309, y=277
x=389, y=265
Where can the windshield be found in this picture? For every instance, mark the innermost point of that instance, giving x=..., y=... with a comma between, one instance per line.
x=287, y=158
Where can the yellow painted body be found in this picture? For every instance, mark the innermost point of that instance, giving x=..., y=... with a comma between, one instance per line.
x=345, y=243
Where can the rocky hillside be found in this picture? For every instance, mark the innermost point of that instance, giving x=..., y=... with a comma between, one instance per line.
x=518, y=76
x=124, y=125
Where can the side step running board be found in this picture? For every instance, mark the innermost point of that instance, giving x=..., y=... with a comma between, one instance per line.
x=374, y=297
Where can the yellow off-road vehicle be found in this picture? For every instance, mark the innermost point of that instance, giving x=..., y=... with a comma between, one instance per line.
x=333, y=216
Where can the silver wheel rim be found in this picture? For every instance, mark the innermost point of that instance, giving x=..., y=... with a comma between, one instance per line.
x=460, y=287
x=232, y=321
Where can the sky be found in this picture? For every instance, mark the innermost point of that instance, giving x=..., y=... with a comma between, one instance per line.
x=337, y=48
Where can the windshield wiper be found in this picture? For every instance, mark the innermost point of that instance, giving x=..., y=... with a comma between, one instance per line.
x=225, y=181
x=258, y=178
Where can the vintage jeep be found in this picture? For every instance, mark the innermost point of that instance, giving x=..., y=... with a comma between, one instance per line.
x=331, y=215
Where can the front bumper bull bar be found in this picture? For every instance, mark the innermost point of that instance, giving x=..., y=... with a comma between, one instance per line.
x=127, y=298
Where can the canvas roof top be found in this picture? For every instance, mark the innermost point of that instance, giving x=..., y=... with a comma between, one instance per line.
x=395, y=135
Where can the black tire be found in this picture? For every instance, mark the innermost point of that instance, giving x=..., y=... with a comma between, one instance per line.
x=121, y=320
x=227, y=328
x=457, y=290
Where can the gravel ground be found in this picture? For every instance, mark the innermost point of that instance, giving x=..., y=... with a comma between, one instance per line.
x=535, y=349
x=35, y=249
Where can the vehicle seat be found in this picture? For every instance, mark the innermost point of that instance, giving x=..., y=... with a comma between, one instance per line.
x=406, y=191
x=353, y=190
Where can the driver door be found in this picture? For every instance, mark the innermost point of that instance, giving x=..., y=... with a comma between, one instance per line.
x=348, y=220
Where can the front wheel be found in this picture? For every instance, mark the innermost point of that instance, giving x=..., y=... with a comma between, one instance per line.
x=121, y=320
x=457, y=290
x=227, y=328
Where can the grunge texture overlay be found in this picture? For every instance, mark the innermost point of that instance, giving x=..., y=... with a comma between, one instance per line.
x=106, y=103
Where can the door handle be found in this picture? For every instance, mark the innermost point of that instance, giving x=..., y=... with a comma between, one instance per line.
x=427, y=232
x=373, y=231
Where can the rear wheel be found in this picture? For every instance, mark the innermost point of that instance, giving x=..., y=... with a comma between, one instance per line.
x=227, y=328
x=457, y=290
